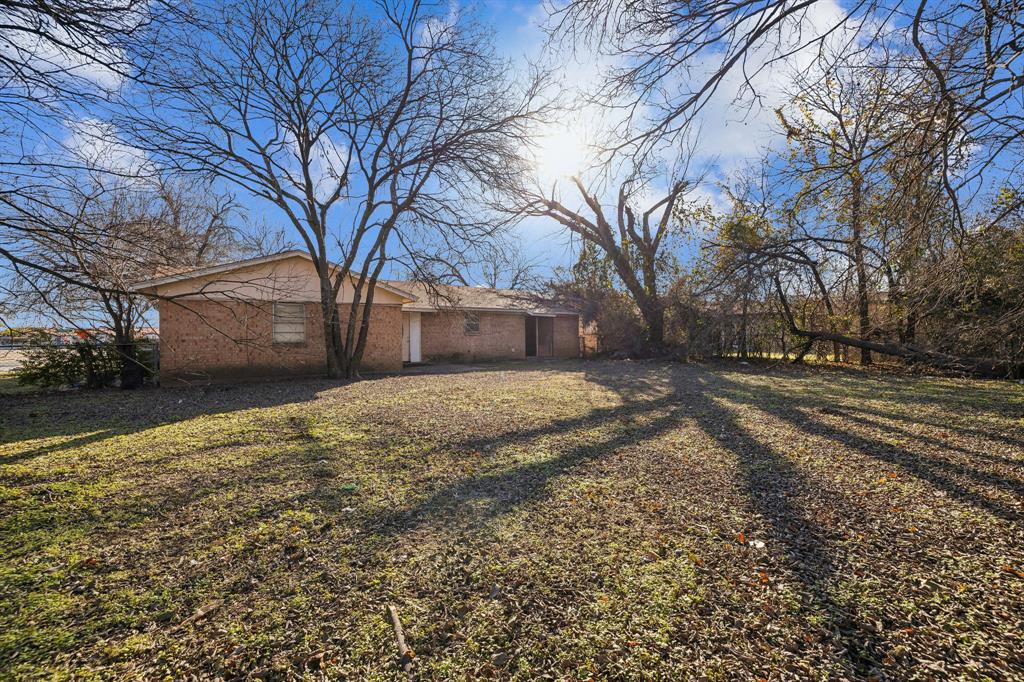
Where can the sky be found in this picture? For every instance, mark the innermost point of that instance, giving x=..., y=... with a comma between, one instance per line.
x=729, y=136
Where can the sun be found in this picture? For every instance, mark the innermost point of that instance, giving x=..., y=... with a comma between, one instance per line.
x=562, y=151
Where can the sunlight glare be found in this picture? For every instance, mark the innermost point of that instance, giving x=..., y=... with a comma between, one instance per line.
x=561, y=153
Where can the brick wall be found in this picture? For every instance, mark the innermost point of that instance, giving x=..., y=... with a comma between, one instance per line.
x=235, y=339
x=443, y=337
x=567, y=336
x=502, y=337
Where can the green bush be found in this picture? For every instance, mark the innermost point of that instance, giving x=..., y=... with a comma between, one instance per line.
x=87, y=363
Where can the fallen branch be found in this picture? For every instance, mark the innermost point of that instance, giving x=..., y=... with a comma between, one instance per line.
x=405, y=654
x=803, y=351
x=984, y=367
x=202, y=613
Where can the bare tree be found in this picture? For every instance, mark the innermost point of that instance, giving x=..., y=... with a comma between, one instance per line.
x=670, y=57
x=637, y=241
x=57, y=61
x=504, y=266
x=84, y=271
x=361, y=130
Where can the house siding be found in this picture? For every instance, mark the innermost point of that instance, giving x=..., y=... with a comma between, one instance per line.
x=443, y=338
x=233, y=339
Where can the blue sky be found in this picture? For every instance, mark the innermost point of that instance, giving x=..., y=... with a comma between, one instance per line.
x=730, y=136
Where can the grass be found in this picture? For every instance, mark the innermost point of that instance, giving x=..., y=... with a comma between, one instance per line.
x=9, y=386
x=575, y=520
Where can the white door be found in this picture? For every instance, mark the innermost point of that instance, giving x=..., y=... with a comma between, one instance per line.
x=406, y=336
x=411, y=338
x=415, y=355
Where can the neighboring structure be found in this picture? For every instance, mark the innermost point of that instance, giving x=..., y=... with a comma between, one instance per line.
x=261, y=317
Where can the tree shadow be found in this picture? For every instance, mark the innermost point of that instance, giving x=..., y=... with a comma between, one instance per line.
x=478, y=499
x=773, y=484
x=965, y=431
x=108, y=414
x=940, y=473
x=873, y=421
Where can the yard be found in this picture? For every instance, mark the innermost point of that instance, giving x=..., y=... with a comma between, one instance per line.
x=578, y=519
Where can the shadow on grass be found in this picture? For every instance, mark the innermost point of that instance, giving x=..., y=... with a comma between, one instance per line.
x=773, y=484
x=108, y=414
x=941, y=473
x=657, y=399
x=478, y=499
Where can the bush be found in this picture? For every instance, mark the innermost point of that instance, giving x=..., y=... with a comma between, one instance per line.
x=87, y=363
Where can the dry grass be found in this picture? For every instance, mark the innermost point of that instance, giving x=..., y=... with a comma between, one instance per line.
x=575, y=520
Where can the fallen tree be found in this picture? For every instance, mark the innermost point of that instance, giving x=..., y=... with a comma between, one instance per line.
x=981, y=367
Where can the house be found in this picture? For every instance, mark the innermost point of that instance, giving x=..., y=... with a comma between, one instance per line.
x=458, y=323
x=261, y=317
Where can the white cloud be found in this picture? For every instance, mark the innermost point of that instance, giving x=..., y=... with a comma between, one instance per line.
x=98, y=146
x=90, y=62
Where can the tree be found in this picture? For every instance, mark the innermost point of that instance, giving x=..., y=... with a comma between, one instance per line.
x=117, y=238
x=839, y=141
x=637, y=242
x=661, y=51
x=362, y=130
x=58, y=59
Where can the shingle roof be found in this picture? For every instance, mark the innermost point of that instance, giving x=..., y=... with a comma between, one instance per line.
x=446, y=296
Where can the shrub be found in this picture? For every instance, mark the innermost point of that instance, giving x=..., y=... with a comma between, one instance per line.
x=82, y=363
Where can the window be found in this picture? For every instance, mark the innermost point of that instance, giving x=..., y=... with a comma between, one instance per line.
x=289, y=323
x=471, y=324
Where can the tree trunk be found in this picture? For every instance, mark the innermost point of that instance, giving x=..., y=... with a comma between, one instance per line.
x=87, y=354
x=654, y=319
x=131, y=369
x=910, y=330
x=863, y=312
x=743, y=328
x=333, y=347
x=984, y=367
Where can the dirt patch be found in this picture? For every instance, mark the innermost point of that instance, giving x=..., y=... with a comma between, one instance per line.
x=10, y=360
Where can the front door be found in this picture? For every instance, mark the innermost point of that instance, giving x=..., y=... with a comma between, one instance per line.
x=411, y=337
x=406, y=336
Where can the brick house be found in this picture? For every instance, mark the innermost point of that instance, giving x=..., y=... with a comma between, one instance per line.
x=457, y=323
x=261, y=317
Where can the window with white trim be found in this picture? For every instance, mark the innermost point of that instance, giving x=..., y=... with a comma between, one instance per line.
x=471, y=324
x=289, y=323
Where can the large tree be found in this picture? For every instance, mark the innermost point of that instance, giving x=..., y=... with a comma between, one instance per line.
x=840, y=129
x=367, y=129
x=83, y=272
x=59, y=61
x=669, y=58
x=636, y=238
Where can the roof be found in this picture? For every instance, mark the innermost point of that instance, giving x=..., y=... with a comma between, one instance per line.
x=433, y=297
x=148, y=286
